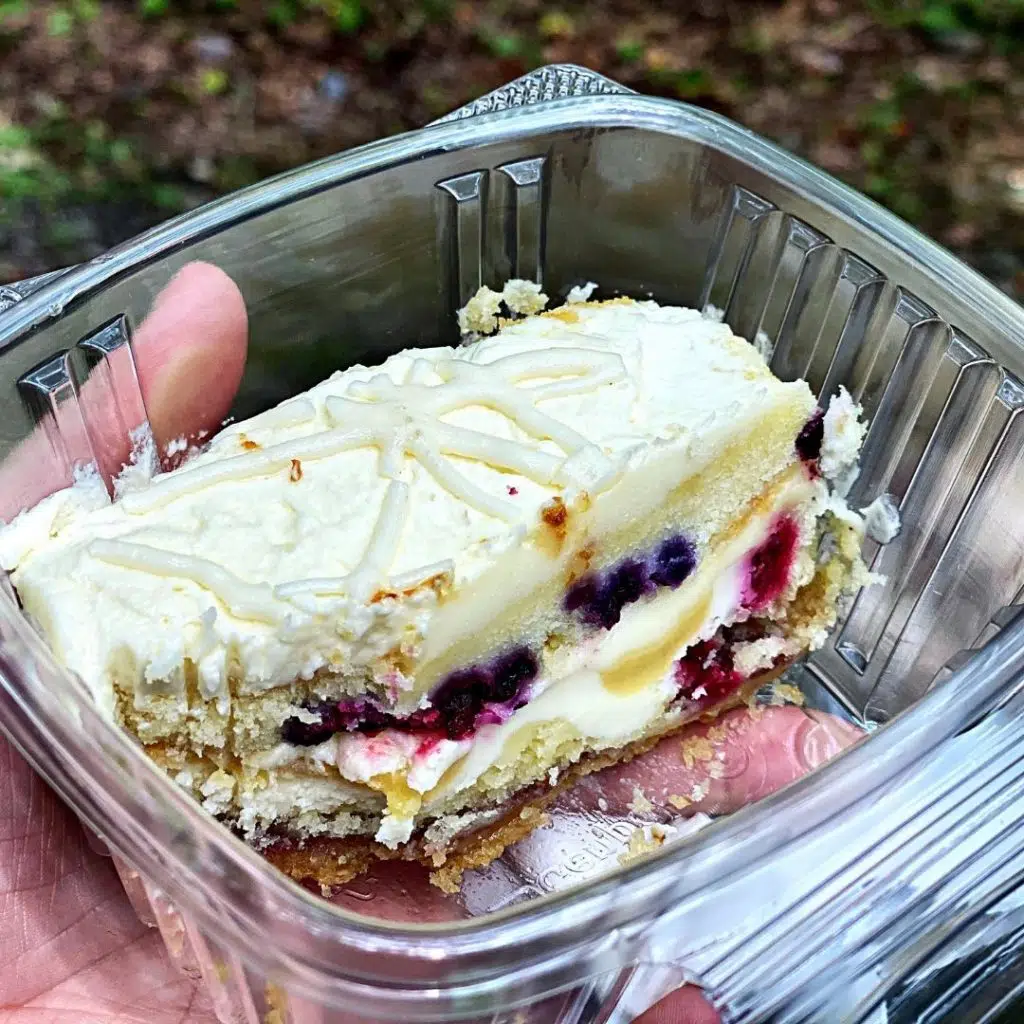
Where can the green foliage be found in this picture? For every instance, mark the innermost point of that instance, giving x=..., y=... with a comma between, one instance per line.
x=503, y=44
x=348, y=16
x=153, y=8
x=11, y=9
x=63, y=20
x=944, y=16
x=629, y=51
x=60, y=22
x=213, y=81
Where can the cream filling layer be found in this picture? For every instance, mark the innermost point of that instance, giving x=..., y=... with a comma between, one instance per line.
x=604, y=693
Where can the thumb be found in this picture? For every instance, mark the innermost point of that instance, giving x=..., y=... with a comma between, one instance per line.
x=189, y=354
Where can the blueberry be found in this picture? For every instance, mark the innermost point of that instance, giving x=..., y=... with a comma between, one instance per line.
x=460, y=698
x=460, y=714
x=674, y=560
x=582, y=595
x=511, y=671
x=309, y=734
x=625, y=584
x=808, y=441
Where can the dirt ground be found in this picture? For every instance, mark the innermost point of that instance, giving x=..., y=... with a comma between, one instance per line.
x=114, y=115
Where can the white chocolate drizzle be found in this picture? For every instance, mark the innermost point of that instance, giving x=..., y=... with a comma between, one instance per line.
x=244, y=600
x=402, y=421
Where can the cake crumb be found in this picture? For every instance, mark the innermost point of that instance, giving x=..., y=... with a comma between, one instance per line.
x=642, y=841
x=786, y=693
x=480, y=314
x=276, y=1003
x=640, y=804
x=696, y=748
x=602, y=804
x=716, y=733
x=295, y=473
x=219, y=790
x=882, y=519
x=524, y=297
x=679, y=802
x=699, y=791
x=580, y=293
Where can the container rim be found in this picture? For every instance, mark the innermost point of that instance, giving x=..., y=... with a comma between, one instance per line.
x=628, y=901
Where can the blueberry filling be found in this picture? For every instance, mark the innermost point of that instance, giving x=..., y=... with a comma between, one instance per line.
x=809, y=440
x=598, y=598
x=674, y=561
x=465, y=700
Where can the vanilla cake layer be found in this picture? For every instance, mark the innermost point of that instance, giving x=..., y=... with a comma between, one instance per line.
x=403, y=597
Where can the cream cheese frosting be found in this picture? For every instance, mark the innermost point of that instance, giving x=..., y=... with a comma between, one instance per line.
x=346, y=524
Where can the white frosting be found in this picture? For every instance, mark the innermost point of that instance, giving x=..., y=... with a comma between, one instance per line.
x=261, y=556
x=843, y=434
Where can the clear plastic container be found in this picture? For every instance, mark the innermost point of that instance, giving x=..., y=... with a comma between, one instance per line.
x=813, y=904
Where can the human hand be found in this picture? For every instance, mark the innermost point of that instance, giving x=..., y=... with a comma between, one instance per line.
x=742, y=756
x=73, y=949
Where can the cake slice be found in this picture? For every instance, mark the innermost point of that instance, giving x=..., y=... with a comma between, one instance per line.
x=391, y=616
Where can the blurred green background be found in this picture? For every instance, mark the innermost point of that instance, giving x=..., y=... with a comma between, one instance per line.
x=115, y=114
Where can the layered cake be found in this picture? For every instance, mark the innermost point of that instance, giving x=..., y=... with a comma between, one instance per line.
x=394, y=614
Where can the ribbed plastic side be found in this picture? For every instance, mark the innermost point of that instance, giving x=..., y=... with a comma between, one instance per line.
x=946, y=432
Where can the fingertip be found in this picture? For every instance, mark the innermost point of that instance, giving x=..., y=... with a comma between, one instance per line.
x=190, y=352
x=687, y=1005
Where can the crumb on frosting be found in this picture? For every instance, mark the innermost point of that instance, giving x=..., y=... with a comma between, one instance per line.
x=480, y=314
x=580, y=293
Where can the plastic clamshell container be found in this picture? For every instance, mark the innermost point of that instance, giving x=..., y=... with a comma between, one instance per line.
x=565, y=177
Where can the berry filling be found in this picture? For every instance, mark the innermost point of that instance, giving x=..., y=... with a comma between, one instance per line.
x=809, y=441
x=705, y=673
x=465, y=701
x=598, y=598
x=768, y=567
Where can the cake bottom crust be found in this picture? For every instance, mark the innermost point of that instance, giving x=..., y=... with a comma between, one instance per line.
x=331, y=861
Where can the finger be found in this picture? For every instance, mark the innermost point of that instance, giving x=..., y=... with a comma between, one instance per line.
x=686, y=1005
x=717, y=767
x=189, y=354
x=73, y=948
